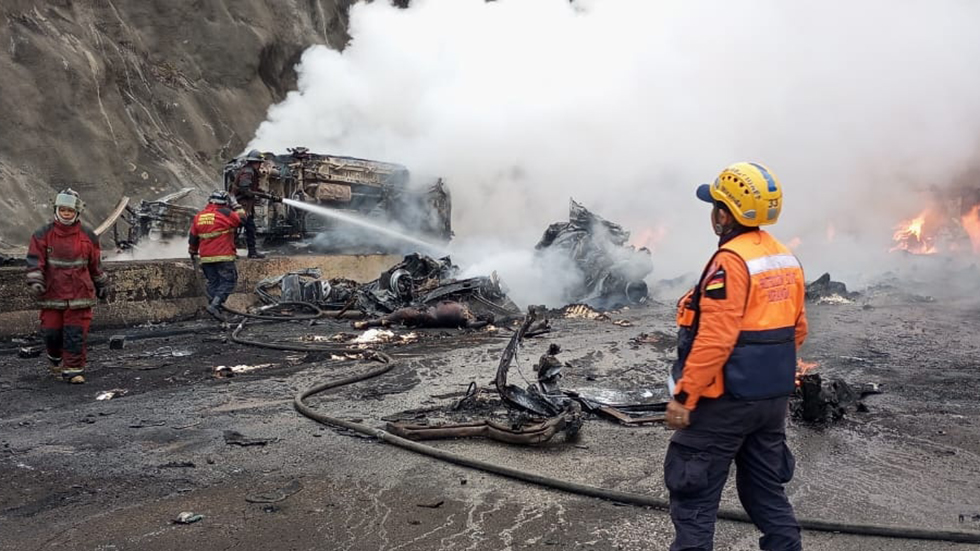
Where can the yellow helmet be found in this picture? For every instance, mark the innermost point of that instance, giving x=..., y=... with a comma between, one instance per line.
x=751, y=192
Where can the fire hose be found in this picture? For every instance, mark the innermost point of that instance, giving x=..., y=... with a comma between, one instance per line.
x=819, y=525
x=631, y=498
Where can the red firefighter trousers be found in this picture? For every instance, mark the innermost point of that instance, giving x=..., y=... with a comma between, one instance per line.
x=65, y=333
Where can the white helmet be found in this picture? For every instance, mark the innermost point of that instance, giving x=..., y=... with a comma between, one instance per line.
x=68, y=198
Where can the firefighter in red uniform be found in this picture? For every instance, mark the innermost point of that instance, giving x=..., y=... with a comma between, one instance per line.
x=739, y=331
x=64, y=272
x=212, y=244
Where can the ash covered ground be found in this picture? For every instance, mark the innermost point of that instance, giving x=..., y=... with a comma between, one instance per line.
x=80, y=473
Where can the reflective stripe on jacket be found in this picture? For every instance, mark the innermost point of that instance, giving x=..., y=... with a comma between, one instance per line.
x=67, y=260
x=742, y=324
x=212, y=234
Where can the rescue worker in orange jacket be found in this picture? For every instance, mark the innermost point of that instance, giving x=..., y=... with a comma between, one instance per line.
x=739, y=329
x=212, y=245
x=64, y=272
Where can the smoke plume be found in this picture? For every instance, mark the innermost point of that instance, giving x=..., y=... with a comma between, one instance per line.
x=858, y=107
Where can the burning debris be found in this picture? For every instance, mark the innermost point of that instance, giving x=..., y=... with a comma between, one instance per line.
x=950, y=225
x=373, y=189
x=611, y=271
x=823, y=401
x=825, y=290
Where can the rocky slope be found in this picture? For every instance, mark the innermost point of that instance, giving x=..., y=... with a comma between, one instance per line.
x=139, y=97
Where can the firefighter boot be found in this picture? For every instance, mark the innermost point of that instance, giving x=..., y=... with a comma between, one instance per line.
x=73, y=375
x=255, y=254
x=214, y=308
x=55, y=367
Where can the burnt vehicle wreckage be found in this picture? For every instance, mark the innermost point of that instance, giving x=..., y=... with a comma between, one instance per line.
x=417, y=281
x=611, y=271
x=375, y=190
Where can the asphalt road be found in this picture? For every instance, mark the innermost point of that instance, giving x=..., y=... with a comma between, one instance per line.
x=80, y=473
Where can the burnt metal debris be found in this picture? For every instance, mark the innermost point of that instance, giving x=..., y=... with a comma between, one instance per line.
x=374, y=189
x=418, y=281
x=10, y=260
x=824, y=288
x=547, y=399
x=822, y=401
x=534, y=414
x=157, y=220
x=611, y=270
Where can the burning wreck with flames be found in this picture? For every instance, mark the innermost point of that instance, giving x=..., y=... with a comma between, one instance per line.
x=950, y=225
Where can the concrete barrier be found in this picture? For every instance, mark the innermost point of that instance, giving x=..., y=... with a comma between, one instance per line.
x=153, y=291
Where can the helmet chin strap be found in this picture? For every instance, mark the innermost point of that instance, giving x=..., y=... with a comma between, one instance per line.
x=68, y=221
x=720, y=229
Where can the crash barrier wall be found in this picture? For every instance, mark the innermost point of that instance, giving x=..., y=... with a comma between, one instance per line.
x=153, y=291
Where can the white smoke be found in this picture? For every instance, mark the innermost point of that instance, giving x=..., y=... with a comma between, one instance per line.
x=627, y=105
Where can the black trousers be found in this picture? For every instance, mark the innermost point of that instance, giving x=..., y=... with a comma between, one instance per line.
x=222, y=277
x=753, y=434
x=249, y=226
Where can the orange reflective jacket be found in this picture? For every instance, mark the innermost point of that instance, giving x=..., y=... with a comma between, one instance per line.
x=740, y=327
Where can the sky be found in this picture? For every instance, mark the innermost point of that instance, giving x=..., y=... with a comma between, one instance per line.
x=859, y=108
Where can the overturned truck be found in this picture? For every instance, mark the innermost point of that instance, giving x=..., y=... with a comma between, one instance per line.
x=371, y=189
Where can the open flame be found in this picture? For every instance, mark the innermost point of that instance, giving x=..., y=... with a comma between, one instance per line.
x=915, y=235
x=971, y=224
x=802, y=367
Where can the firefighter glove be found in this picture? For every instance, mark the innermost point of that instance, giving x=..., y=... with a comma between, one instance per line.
x=37, y=289
x=102, y=290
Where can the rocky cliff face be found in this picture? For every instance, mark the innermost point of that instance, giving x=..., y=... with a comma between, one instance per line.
x=139, y=97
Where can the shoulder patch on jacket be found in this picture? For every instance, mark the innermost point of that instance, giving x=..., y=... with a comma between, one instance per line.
x=43, y=230
x=714, y=287
x=91, y=234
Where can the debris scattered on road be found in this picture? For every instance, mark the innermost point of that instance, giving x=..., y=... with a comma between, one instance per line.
x=435, y=505
x=117, y=342
x=30, y=351
x=826, y=291
x=228, y=370
x=374, y=336
x=188, y=517
x=238, y=439
x=110, y=394
x=142, y=424
x=823, y=401
x=178, y=465
x=583, y=311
